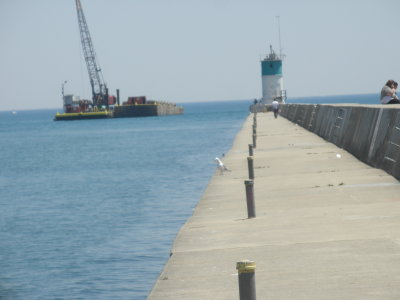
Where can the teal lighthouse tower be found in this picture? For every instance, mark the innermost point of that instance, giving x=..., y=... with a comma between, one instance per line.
x=272, y=78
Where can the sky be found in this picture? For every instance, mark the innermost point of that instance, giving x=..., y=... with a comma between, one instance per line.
x=196, y=50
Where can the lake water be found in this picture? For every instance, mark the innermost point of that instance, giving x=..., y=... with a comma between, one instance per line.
x=89, y=209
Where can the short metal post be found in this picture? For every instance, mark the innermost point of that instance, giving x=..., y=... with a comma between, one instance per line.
x=251, y=208
x=250, y=150
x=247, y=281
x=250, y=164
x=254, y=141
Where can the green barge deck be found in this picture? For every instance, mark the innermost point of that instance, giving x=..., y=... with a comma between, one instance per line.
x=82, y=116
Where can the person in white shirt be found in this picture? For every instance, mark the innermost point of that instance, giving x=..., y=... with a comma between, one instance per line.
x=275, y=108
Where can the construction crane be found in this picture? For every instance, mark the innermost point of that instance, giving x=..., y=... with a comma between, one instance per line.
x=99, y=88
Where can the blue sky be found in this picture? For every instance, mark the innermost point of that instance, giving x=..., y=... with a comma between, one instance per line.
x=195, y=50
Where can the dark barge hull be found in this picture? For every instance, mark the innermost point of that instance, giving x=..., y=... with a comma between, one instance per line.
x=146, y=110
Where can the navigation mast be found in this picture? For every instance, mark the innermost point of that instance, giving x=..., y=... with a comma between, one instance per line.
x=99, y=88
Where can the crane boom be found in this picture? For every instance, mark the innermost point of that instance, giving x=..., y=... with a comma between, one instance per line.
x=99, y=88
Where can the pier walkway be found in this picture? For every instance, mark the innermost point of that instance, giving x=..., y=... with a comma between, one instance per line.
x=327, y=225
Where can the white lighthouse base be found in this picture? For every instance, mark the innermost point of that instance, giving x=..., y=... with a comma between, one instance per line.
x=272, y=86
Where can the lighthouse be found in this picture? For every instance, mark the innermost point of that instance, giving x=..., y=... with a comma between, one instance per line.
x=272, y=79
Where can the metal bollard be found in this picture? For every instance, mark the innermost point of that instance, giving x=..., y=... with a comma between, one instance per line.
x=251, y=208
x=254, y=129
x=254, y=140
x=250, y=164
x=247, y=282
x=250, y=150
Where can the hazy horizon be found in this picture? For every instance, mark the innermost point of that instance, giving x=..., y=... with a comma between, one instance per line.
x=60, y=108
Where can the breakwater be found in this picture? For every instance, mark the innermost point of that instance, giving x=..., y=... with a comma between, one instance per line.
x=326, y=224
x=369, y=132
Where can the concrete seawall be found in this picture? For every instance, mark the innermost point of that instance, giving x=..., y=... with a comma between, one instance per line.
x=370, y=133
x=327, y=225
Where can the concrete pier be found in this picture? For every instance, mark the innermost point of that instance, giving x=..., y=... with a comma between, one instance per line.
x=370, y=133
x=327, y=225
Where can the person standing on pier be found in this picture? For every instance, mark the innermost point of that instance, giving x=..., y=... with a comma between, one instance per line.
x=275, y=108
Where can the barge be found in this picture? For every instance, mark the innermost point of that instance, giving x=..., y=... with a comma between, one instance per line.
x=76, y=109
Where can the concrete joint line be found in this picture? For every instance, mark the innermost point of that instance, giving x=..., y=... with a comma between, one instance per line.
x=388, y=158
x=394, y=144
x=378, y=122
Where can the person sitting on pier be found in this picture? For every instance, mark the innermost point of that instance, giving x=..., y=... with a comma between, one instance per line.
x=395, y=85
x=388, y=93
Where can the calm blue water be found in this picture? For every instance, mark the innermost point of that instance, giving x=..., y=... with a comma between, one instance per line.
x=90, y=209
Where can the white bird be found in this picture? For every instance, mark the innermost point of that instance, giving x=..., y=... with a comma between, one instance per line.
x=221, y=166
